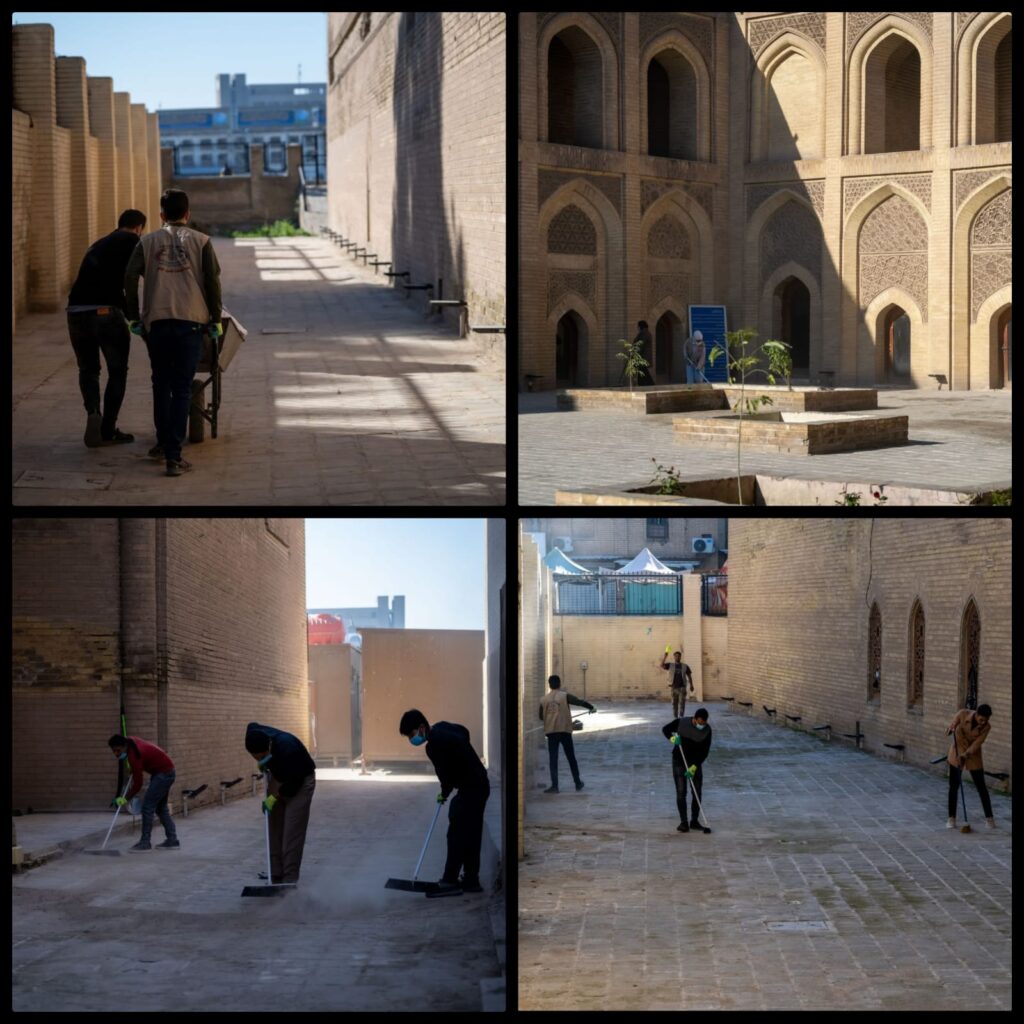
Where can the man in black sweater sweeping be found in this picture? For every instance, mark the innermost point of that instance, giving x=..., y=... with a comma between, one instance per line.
x=691, y=743
x=458, y=768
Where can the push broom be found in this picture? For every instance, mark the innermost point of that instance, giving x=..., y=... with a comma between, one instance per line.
x=103, y=849
x=966, y=826
x=272, y=888
x=413, y=884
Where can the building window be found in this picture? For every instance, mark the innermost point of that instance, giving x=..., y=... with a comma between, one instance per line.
x=893, y=97
x=915, y=673
x=875, y=654
x=657, y=529
x=970, y=656
x=574, y=90
x=671, y=107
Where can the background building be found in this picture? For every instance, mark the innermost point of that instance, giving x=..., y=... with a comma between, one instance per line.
x=839, y=180
x=205, y=140
x=383, y=616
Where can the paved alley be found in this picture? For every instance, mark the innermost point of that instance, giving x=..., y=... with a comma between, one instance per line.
x=829, y=881
x=344, y=393
x=169, y=931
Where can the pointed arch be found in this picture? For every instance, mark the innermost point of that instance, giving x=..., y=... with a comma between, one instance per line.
x=676, y=41
x=872, y=331
x=874, y=665
x=916, y=656
x=974, y=78
x=890, y=25
x=970, y=655
x=690, y=213
x=766, y=309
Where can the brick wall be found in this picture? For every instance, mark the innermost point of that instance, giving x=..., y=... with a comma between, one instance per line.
x=21, y=207
x=416, y=142
x=800, y=592
x=203, y=620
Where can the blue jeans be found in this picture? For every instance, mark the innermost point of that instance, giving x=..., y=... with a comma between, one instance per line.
x=155, y=802
x=175, y=347
x=563, y=739
x=92, y=333
x=693, y=375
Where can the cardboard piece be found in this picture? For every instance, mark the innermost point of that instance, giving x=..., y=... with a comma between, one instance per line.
x=234, y=335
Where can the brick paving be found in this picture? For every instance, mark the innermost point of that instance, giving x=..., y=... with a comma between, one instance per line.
x=170, y=928
x=959, y=440
x=619, y=911
x=367, y=402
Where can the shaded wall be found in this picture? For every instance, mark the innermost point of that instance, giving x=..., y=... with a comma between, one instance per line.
x=333, y=673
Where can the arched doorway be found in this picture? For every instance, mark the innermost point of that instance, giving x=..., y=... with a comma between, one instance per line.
x=794, y=303
x=668, y=339
x=570, y=350
x=895, y=341
x=1004, y=348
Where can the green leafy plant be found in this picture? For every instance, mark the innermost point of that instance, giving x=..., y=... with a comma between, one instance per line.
x=853, y=497
x=1001, y=497
x=667, y=480
x=634, y=359
x=745, y=360
x=279, y=229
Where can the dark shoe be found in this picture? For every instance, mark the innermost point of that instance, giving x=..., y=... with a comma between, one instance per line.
x=93, y=436
x=175, y=467
x=119, y=437
x=551, y=789
x=140, y=846
x=694, y=823
x=579, y=786
x=682, y=827
x=169, y=844
x=468, y=886
x=156, y=452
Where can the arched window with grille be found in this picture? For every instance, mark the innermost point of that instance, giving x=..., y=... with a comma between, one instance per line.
x=915, y=660
x=970, y=656
x=875, y=654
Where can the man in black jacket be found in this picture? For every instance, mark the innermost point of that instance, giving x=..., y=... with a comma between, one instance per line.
x=292, y=781
x=96, y=323
x=691, y=740
x=459, y=768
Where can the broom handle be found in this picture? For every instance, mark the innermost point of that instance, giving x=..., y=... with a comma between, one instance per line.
x=693, y=789
x=116, y=813
x=266, y=828
x=430, y=832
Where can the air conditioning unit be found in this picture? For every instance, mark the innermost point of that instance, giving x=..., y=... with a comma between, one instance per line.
x=565, y=543
x=704, y=545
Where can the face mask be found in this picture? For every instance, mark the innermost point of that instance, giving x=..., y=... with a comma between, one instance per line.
x=265, y=760
x=417, y=740
x=123, y=757
x=699, y=726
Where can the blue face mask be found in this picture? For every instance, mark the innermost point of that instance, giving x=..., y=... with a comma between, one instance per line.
x=699, y=726
x=265, y=760
x=123, y=757
x=417, y=740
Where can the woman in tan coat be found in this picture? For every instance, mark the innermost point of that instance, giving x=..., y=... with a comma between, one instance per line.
x=969, y=730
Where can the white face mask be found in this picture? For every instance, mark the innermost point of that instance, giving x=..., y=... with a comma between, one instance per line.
x=699, y=726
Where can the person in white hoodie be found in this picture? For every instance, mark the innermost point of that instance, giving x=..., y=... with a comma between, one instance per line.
x=693, y=350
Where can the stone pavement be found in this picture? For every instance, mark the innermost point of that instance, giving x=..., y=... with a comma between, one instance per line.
x=959, y=440
x=619, y=911
x=170, y=931
x=365, y=400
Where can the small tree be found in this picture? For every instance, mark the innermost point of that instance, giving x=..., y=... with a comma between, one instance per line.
x=744, y=364
x=635, y=362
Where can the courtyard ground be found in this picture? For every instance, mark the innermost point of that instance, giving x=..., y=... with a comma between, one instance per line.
x=168, y=930
x=354, y=397
x=619, y=911
x=959, y=440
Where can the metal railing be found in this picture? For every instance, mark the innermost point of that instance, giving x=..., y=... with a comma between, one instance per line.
x=714, y=594
x=606, y=594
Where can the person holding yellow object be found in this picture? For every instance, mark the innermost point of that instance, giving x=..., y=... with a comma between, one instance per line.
x=681, y=674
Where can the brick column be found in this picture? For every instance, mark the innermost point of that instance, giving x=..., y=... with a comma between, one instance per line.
x=693, y=648
x=123, y=143
x=73, y=114
x=140, y=158
x=152, y=210
x=138, y=555
x=101, y=127
x=35, y=93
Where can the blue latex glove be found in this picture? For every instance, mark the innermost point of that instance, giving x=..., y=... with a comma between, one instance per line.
x=441, y=798
x=135, y=326
x=675, y=739
x=268, y=804
x=216, y=331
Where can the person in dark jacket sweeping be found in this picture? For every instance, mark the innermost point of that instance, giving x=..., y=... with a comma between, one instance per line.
x=147, y=757
x=458, y=768
x=292, y=782
x=691, y=740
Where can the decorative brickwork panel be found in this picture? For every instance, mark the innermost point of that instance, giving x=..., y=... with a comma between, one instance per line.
x=668, y=239
x=859, y=22
x=792, y=233
x=571, y=231
x=548, y=182
x=992, y=226
x=651, y=191
x=812, y=191
x=664, y=286
x=875, y=654
x=894, y=226
x=698, y=30
x=763, y=30
x=919, y=185
x=908, y=271
x=991, y=269
x=966, y=182
x=562, y=281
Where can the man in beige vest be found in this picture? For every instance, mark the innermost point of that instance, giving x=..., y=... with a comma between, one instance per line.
x=557, y=719
x=181, y=302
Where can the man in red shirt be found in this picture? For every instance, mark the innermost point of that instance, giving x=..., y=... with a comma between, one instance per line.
x=142, y=756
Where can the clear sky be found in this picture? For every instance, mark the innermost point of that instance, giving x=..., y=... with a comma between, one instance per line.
x=173, y=59
x=438, y=564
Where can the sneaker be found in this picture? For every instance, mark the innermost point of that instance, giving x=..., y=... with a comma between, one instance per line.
x=579, y=786
x=140, y=846
x=951, y=823
x=471, y=886
x=119, y=437
x=682, y=827
x=551, y=789
x=93, y=436
x=175, y=467
x=156, y=452
x=169, y=844
x=990, y=823
x=694, y=823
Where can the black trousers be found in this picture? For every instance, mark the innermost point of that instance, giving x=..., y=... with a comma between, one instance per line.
x=465, y=833
x=682, y=788
x=954, y=790
x=92, y=333
x=564, y=739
